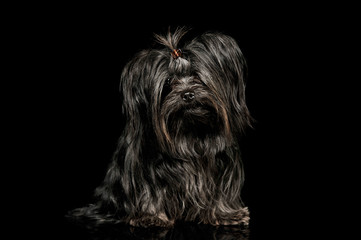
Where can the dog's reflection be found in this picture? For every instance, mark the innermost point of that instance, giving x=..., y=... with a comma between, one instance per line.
x=181, y=231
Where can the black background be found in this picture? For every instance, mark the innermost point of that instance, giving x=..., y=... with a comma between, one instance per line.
x=74, y=56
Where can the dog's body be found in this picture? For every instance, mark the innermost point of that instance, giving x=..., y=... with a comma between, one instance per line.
x=178, y=157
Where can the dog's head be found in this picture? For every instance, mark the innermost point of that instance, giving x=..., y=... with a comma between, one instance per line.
x=192, y=98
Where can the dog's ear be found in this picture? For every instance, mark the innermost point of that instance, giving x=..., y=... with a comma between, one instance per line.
x=141, y=82
x=120, y=180
x=132, y=88
x=141, y=85
x=224, y=60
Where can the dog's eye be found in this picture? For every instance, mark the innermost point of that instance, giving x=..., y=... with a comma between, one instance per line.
x=197, y=81
x=167, y=82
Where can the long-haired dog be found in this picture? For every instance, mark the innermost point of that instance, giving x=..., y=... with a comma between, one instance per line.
x=178, y=157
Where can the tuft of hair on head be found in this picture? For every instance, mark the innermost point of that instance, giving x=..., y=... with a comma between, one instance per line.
x=171, y=40
x=178, y=64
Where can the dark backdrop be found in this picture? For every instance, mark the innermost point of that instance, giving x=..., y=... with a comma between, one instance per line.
x=82, y=51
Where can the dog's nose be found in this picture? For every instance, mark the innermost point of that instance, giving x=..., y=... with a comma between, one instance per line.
x=188, y=96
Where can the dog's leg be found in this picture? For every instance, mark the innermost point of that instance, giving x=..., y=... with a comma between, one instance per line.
x=151, y=213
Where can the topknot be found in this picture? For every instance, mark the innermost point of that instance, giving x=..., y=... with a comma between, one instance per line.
x=171, y=40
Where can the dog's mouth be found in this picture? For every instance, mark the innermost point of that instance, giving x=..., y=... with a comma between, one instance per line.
x=194, y=120
x=194, y=131
x=198, y=115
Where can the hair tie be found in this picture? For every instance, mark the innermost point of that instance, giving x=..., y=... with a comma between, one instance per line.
x=176, y=53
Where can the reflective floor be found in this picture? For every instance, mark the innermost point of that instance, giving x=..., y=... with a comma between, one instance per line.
x=184, y=231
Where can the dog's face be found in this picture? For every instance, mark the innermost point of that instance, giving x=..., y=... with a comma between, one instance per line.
x=194, y=101
x=189, y=108
x=193, y=117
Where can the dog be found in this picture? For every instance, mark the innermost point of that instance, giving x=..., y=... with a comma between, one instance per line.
x=178, y=157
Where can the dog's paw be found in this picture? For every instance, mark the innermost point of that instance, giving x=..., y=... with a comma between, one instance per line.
x=239, y=218
x=146, y=221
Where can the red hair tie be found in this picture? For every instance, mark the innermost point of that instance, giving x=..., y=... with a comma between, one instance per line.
x=176, y=53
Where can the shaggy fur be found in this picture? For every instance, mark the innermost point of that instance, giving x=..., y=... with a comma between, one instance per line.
x=178, y=157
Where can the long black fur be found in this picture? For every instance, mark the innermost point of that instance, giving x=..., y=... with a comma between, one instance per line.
x=177, y=159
